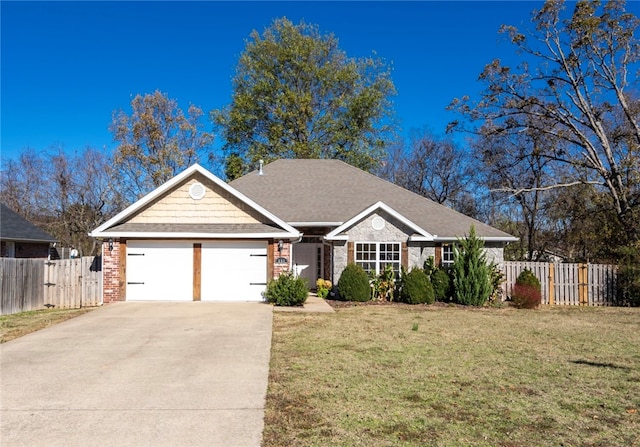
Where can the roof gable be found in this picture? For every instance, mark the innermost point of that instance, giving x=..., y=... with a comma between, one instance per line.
x=170, y=211
x=14, y=227
x=337, y=233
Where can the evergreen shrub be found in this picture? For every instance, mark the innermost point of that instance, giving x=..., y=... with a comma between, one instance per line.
x=416, y=288
x=526, y=293
x=353, y=284
x=471, y=274
x=441, y=282
x=287, y=290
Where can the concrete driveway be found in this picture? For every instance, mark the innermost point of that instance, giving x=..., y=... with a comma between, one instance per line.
x=140, y=374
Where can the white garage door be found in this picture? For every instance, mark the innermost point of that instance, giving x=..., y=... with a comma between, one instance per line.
x=159, y=270
x=234, y=270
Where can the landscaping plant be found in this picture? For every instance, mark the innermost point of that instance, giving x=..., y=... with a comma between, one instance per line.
x=526, y=293
x=470, y=271
x=383, y=285
x=323, y=286
x=439, y=278
x=287, y=290
x=416, y=288
x=353, y=284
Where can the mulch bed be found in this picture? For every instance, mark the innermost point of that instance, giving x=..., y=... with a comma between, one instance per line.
x=337, y=304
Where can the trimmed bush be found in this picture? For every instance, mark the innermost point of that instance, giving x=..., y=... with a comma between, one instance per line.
x=416, y=288
x=441, y=282
x=526, y=291
x=353, y=284
x=525, y=296
x=287, y=290
x=527, y=278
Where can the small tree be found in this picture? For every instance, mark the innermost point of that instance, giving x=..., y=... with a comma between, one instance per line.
x=470, y=271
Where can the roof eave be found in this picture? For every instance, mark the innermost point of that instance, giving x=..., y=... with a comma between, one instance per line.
x=484, y=238
x=189, y=235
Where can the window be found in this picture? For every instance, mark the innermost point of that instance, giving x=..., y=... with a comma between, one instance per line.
x=373, y=257
x=447, y=255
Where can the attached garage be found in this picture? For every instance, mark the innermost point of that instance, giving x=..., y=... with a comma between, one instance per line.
x=167, y=271
x=194, y=238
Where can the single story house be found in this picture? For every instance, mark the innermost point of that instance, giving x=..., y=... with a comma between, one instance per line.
x=199, y=238
x=19, y=238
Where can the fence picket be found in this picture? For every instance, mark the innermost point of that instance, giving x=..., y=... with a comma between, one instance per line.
x=72, y=284
x=568, y=284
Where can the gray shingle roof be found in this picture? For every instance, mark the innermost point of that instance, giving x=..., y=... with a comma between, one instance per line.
x=14, y=227
x=303, y=190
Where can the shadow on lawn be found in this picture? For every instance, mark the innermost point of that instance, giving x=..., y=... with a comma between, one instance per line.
x=598, y=364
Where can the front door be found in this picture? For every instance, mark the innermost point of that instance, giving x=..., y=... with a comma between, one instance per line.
x=307, y=262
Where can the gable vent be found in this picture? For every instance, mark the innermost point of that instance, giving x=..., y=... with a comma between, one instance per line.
x=196, y=191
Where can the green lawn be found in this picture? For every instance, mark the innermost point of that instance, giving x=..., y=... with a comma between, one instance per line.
x=23, y=323
x=449, y=376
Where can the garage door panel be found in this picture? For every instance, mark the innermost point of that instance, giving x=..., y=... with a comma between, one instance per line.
x=233, y=270
x=159, y=271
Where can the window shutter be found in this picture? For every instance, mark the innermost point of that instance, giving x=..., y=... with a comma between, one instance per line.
x=438, y=257
x=404, y=256
x=350, y=249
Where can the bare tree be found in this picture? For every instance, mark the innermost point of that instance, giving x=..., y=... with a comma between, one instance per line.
x=574, y=86
x=435, y=168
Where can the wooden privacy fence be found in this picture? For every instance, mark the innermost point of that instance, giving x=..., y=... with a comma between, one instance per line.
x=31, y=284
x=568, y=284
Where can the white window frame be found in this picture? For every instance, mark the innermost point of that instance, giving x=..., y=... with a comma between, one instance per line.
x=448, y=254
x=379, y=264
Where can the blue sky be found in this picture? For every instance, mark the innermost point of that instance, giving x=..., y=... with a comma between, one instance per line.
x=66, y=66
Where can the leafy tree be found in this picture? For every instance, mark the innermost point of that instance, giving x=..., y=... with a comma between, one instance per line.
x=155, y=142
x=298, y=95
x=575, y=86
x=471, y=273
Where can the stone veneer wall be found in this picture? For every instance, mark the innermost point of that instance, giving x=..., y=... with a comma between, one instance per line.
x=393, y=231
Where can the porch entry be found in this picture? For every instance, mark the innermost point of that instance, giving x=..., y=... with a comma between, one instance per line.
x=307, y=262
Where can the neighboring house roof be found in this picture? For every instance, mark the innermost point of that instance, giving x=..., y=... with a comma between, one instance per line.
x=119, y=225
x=306, y=192
x=14, y=227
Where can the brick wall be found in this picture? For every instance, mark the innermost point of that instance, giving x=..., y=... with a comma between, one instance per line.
x=285, y=253
x=111, y=273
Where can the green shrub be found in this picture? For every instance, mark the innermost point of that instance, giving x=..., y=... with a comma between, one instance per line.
x=496, y=278
x=628, y=281
x=416, y=288
x=471, y=274
x=353, y=284
x=287, y=290
x=527, y=278
x=525, y=294
x=441, y=282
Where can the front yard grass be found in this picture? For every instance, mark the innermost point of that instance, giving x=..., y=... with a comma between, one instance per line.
x=450, y=376
x=23, y=323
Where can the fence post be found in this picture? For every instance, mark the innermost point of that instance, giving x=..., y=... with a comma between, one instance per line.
x=552, y=284
x=583, y=298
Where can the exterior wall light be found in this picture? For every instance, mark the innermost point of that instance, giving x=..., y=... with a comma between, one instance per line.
x=110, y=244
